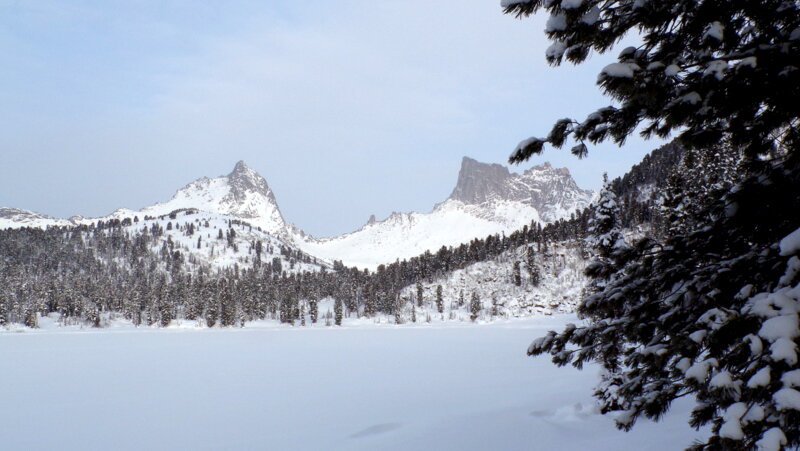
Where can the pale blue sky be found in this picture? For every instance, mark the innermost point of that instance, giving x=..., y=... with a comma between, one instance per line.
x=347, y=108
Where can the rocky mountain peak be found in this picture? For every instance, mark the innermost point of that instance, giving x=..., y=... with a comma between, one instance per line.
x=547, y=167
x=243, y=180
x=479, y=182
x=551, y=191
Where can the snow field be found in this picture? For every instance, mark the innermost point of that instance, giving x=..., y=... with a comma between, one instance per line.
x=447, y=386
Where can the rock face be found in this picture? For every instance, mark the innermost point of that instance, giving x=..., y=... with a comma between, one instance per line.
x=551, y=191
x=481, y=182
x=244, y=183
x=487, y=199
x=243, y=194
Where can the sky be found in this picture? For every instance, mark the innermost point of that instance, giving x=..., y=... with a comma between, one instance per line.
x=347, y=108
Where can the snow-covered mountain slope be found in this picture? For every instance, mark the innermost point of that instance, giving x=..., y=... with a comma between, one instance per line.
x=13, y=218
x=405, y=235
x=216, y=242
x=487, y=199
x=241, y=194
x=561, y=279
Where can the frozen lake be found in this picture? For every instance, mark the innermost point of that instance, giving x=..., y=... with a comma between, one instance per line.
x=361, y=387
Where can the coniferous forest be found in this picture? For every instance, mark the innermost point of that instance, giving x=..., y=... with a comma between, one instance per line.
x=691, y=288
x=708, y=306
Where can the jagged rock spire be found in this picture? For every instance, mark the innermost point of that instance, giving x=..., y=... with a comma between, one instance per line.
x=551, y=191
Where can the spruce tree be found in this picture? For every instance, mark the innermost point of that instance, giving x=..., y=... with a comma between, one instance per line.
x=474, y=306
x=337, y=311
x=212, y=312
x=439, y=299
x=709, y=311
x=313, y=310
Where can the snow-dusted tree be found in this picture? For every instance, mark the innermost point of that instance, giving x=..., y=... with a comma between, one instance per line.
x=439, y=299
x=605, y=233
x=32, y=319
x=92, y=314
x=604, y=236
x=212, y=312
x=713, y=310
x=337, y=311
x=313, y=310
x=2, y=309
x=698, y=179
x=474, y=306
x=165, y=309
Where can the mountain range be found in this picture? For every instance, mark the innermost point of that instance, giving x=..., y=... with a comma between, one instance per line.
x=487, y=199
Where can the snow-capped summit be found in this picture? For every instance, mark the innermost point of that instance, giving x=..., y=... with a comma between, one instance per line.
x=243, y=194
x=487, y=199
x=551, y=191
x=15, y=218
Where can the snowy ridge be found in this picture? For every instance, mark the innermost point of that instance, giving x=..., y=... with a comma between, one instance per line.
x=558, y=290
x=242, y=194
x=16, y=218
x=405, y=235
x=551, y=191
x=488, y=199
x=204, y=247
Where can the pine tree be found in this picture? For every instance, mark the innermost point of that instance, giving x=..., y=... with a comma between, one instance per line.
x=165, y=310
x=337, y=311
x=697, y=314
x=439, y=299
x=605, y=233
x=212, y=310
x=517, y=274
x=313, y=310
x=32, y=319
x=535, y=275
x=474, y=306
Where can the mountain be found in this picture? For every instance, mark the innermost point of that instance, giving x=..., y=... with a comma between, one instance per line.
x=551, y=191
x=240, y=202
x=16, y=218
x=487, y=199
x=242, y=194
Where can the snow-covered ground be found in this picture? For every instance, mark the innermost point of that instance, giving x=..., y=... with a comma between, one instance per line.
x=406, y=235
x=562, y=280
x=425, y=386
